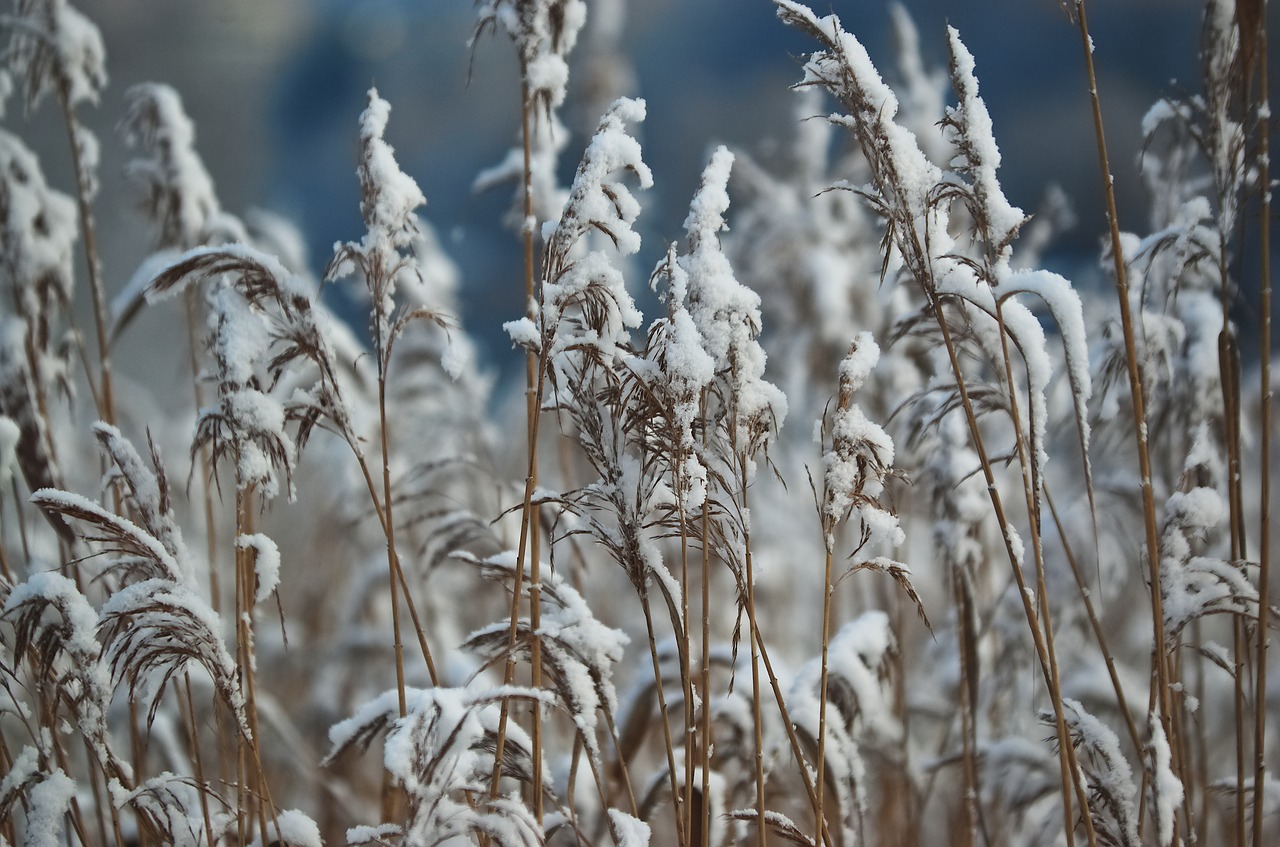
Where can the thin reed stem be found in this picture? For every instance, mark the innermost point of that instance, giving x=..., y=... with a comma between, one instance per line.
x=705, y=667
x=1264, y=483
x=968, y=729
x=663, y=718
x=1160, y=671
x=1031, y=490
x=93, y=263
x=1095, y=625
x=388, y=525
x=532, y=410
x=396, y=569
x=824, y=832
x=758, y=724
x=827, y=589
x=686, y=668
x=197, y=760
x=527, y=526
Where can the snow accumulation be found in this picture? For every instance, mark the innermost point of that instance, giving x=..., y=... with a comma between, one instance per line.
x=629, y=831
x=1004, y=218
x=295, y=829
x=60, y=592
x=266, y=563
x=172, y=169
x=389, y=198
x=47, y=804
x=725, y=312
x=9, y=435
x=1166, y=788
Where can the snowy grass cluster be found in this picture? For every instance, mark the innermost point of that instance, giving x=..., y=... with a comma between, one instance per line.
x=877, y=532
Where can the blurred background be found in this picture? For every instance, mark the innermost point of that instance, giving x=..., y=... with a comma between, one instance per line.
x=275, y=88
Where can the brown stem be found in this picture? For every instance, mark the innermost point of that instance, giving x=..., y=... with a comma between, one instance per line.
x=686, y=670
x=106, y=403
x=967, y=724
x=622, y=765
x=1031, y=487
x=197, y=760
x=1160, y=671
x=1096, y=625
x=398, y=571
x=517, y=588
x=705, y=669
x=206, y=468
x=1264, y=486
x=535, y=369
x=827, y=589
x=531, y=416
x=388, y=525
x=676, y=799
x=796, y=749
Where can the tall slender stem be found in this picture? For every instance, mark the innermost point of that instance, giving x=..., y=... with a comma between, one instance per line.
x=1030, y=486
x=527, y=547
x=827, y=589
x=705, y=667
x=797, y=751
x=393, y=561
x=1264, y=486
x=686, y=670
x=531, y=416
x=677, y=800
x=1065, y=751
x=1160, y=670
x=92, y=261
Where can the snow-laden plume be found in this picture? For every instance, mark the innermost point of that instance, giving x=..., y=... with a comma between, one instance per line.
x=1113, y=794
x=583, y=301
x=727, y=316
x=579, y=652
x=860, y=458
x=174, y=807
x=1166, y=789
x=673, y=373
x=441, y=754
x=156, y=622
x=263, y=324
x=545, y=33
x=389, y=198
x=1193, y=581
x=37, y=236
x=861, y=713
x=54, y=47
x=43, y=792
x=178, y=194
x=55, y=625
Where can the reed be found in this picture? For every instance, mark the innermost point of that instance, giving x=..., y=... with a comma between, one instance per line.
x=395, y=606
